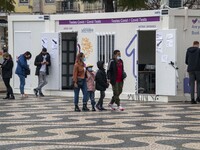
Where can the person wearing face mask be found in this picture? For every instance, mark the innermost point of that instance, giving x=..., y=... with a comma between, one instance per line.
x=42, y=63
x=91, y=85
x=101, y=84
x=116, y=76
x=22, y=66
x=7, y=67
x=79, y=80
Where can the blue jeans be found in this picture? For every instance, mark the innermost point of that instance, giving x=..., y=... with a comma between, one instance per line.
x=90, y=95
x=22, y=83
x=84, y=91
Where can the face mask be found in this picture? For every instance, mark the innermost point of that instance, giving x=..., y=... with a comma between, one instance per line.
x=118, y=57
x=83, y=59
x=90, y=69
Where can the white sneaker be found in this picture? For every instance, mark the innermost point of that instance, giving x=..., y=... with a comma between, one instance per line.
x=111, y=106
x=121, y=108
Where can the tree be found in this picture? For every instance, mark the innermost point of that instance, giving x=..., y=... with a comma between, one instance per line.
x=7, y=5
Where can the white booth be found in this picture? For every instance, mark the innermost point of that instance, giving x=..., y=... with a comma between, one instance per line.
x=152, y=43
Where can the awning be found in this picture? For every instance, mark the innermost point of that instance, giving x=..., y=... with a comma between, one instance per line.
x=3, y=23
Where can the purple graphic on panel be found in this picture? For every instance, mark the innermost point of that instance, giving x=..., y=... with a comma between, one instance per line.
x=132, y=52
x=109, y=21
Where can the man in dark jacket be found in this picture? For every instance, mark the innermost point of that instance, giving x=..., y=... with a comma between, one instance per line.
x=116, y=75
x=193, y=61
x=42, y=61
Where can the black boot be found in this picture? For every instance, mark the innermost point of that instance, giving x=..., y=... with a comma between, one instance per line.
x=93, y=108
x=85, y=107
x=12, y=97
x=77, y=108
x=7, y=96
x=193, y=101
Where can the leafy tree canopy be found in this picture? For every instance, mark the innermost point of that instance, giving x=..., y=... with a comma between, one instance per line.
x=7, y=5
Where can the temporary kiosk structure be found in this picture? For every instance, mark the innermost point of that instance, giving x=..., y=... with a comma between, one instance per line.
x=152, y=44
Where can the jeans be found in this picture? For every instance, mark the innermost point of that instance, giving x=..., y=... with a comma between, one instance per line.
x=194, y=76
x=41, y=81
x=8, y=87
x=117, y=90
x=91, y=96
x=22, y=83
x=84, y=91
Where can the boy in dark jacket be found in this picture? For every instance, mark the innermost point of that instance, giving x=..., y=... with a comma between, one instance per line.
x=101, y=84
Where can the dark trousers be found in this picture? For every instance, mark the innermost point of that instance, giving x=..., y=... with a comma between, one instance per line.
x=8, y=87
x=194, y=76
x=117, y=90
x=102, y=96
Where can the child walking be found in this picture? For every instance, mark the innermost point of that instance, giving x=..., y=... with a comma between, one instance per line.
x=90, y=85
x=101, y=84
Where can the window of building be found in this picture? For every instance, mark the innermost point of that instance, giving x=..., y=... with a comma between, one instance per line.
x=105, y=46
x=23, y=1
x=49, y=1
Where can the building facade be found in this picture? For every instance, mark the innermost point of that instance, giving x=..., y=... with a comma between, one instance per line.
x=57, y=6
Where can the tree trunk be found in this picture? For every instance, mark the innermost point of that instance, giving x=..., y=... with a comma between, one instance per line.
x=109, y=6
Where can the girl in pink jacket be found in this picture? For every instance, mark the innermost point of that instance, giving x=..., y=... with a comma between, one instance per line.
x=91, y=85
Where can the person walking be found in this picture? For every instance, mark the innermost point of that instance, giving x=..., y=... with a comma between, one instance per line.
x=42, y=63
x=23, y=70
x=116, y=76
x=7, y=67
x=101, y=84
x=79, y=80
x=91, y=85
x=192, y=60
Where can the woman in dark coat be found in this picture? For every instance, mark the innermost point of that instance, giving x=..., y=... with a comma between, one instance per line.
x=7, y=67
x=101, y=84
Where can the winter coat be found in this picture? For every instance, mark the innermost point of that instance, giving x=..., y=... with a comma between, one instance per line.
x=100, y=78
x=90, y=81
x=192, y=59
x=7, y=67
x=21, y=65
x=39, y=60
x=112, y=71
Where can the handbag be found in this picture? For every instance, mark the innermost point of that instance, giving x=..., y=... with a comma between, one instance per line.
x=27, y=71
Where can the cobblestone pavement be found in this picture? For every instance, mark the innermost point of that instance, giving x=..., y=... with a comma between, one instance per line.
x=50, y=123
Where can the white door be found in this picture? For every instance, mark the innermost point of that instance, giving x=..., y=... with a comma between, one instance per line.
x=166, y=82
x=51, y=41
x=22, y=43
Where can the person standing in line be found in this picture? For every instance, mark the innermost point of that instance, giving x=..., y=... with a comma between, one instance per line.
x=79, y=80
x=22, y=69
x=7, y=67
x=91, y=85
x=101, y=84
x=192, y=60
x=116, y=76
x=42, y=63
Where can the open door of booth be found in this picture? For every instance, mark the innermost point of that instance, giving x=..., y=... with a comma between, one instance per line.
x=166, y=70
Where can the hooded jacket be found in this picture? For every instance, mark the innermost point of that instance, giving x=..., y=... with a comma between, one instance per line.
x=192, y=59
x=100, y=78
